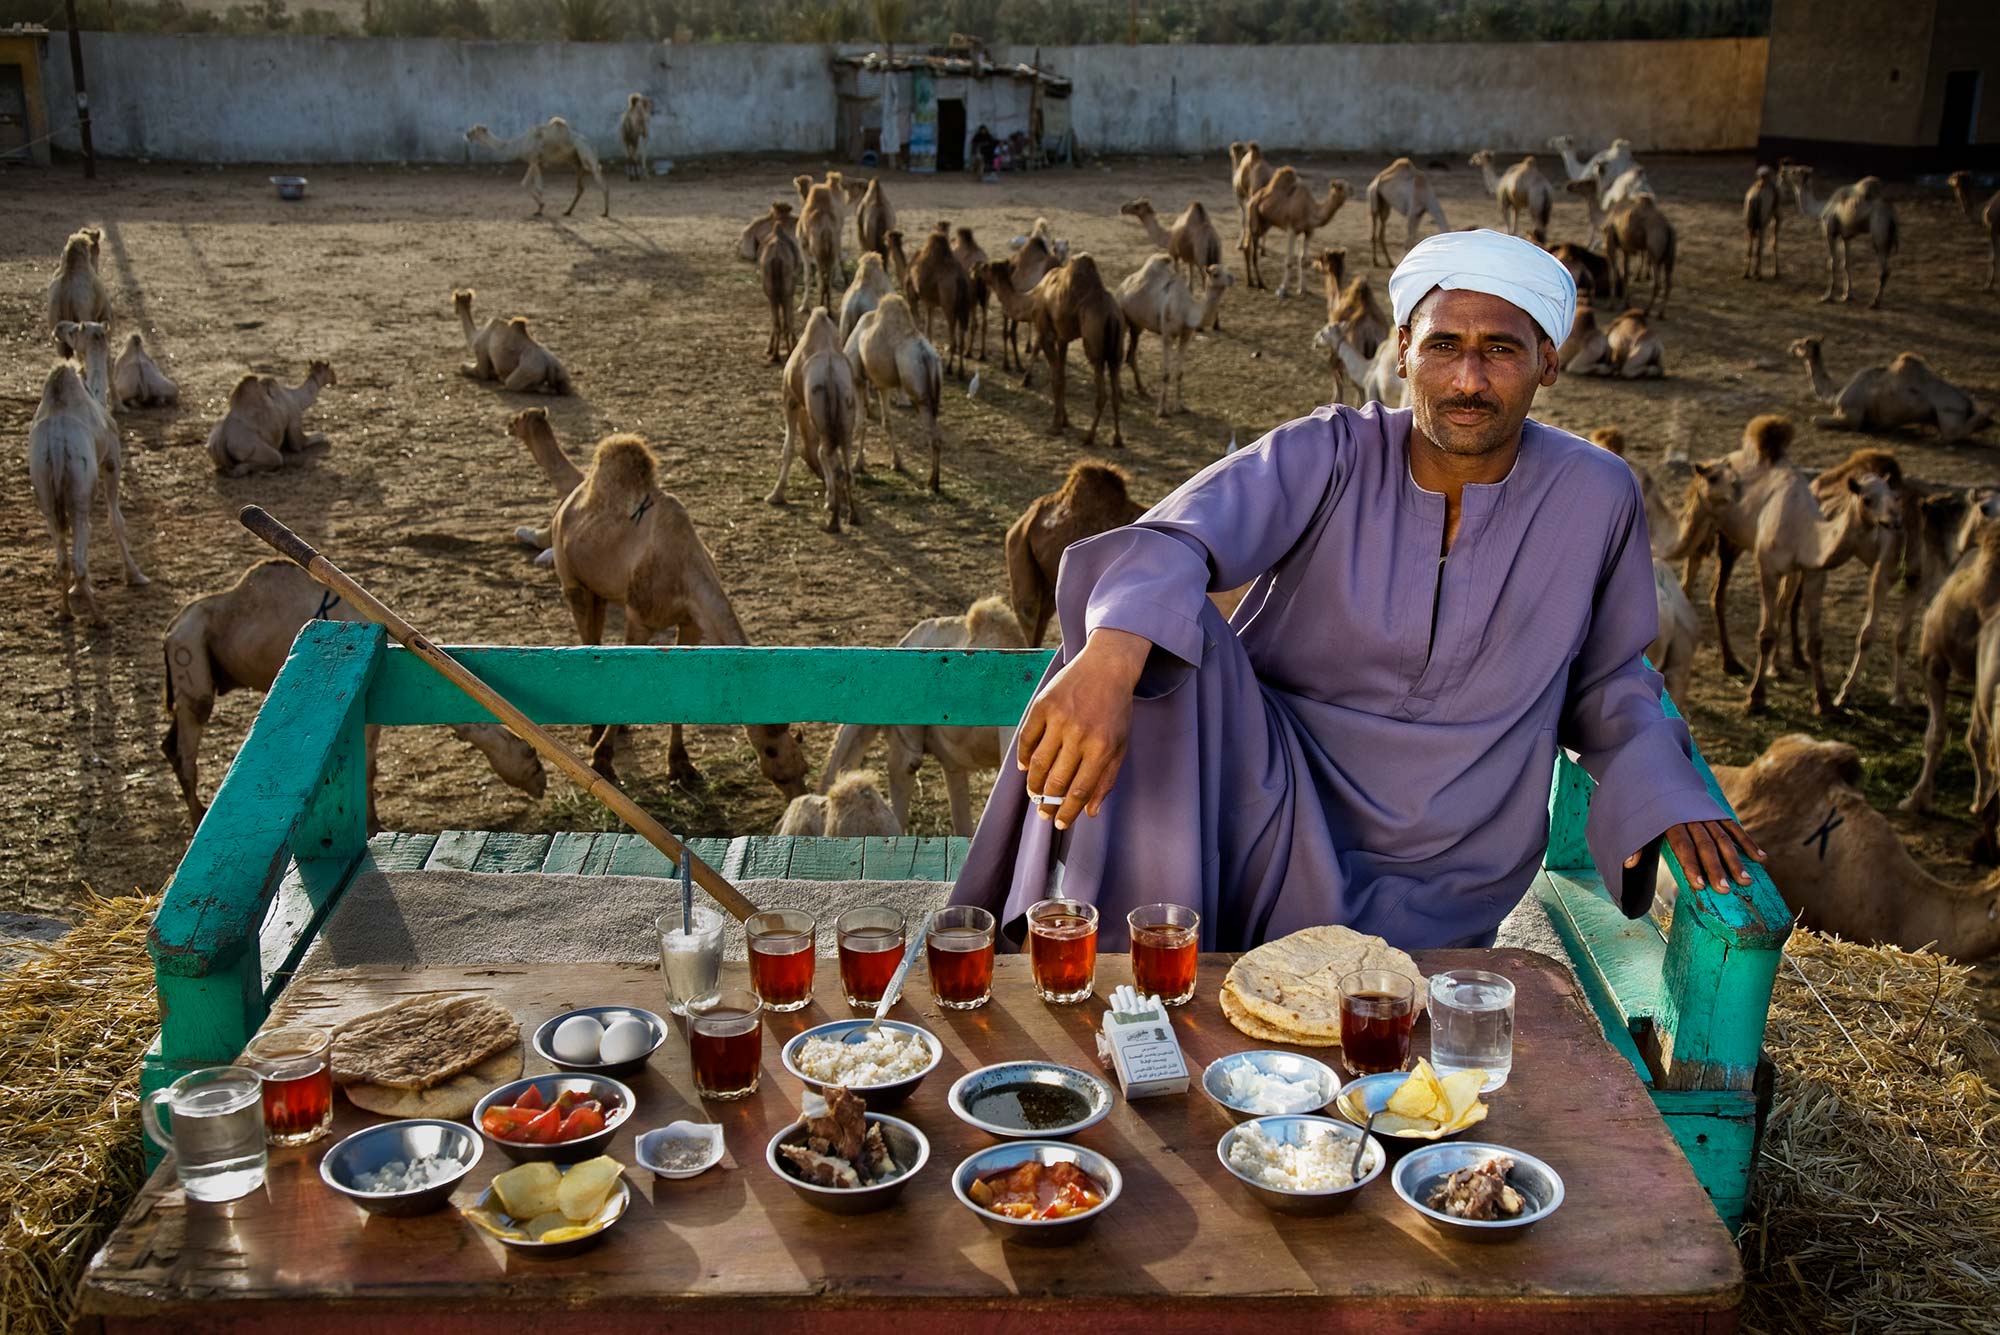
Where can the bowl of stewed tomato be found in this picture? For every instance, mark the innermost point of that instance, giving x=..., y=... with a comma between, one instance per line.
x=556, y=1118
x=1037, y=1192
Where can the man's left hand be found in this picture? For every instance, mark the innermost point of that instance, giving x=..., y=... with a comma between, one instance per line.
x=1708, y=852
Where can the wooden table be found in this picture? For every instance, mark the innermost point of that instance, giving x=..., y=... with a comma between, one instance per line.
x=1636, y=1245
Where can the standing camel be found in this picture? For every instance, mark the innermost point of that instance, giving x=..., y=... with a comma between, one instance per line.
x=936, y=284
x=871, y=283
x=550, y=146
x=77, y=294
x=1948, y=648
x=1073, y=304
x=1400, y=188
x=1191, y=242
x=1285, y=203
x=1638, y=228
x=1760, y=213
x=1987, y=218
x=72, y=447
x=779, y=262
x=820, y=410
x=1355, y=310
x=1522, y=192
x=1157, y=300
x=971, y=257
x=819, y=238
x=874, y=218
x=1249, y=170
x=1849, y=212
x=1011, y=280
x=633, y=131
x=1905, y=393
x=887, y=353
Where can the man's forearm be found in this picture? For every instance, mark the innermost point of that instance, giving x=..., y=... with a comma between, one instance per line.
x=1121, y=653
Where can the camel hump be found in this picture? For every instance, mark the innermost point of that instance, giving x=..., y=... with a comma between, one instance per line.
x=1283, y=178
x=1609, y=438
x=1868, y=187
x=992, y=621
x=1771, y=435
x=557, y=121
x=1196, y=211
x=1861, y=462
x=1909, y=361
x=62, y=385
x=519, y=322
x=1101, y=481
x=623, y=466
x=1402, y=162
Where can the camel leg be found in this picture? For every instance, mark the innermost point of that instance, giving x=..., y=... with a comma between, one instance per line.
x=1131, y=356
x=605, y=188
x=1753, y=253
x=191, y=701
x=1770, y=591
x=1937, y=677
x=1798, y=643
x=958, y=787
x=1056, y=353
x=1878, y=583
x=1982, y=772
x=1830, y=266
x=1914, y=599
x=889, y=434
x=1812, y=591
x=1725, y=562
x=1774, y=244
x=777, y=496
x=579, y=195
x=587, y=611
x=904, y=762
x=1096, y=401
x=1881, y=275
x=133, y=576
x=533, y=182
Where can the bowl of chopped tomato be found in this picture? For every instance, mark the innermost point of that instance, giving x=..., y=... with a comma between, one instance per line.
x=1037, y=1192
x=557, y=1118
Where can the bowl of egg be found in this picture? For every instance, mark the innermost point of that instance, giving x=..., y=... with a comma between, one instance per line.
x=601, y=1040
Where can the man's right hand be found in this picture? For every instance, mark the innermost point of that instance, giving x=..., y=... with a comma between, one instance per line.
x=1073, y=740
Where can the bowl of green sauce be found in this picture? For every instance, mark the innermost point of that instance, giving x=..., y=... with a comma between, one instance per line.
x=1030, y=1100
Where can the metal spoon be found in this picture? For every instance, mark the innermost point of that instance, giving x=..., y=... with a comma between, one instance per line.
x=890, y=993
x=1361, y=1146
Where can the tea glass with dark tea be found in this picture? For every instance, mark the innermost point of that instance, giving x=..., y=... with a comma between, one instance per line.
x=1062, y=949
x=726, y=1043
x=1165, y=941
x=780, y=945
x=1378, y=1008
x=871, y=949
x=959, y=949
x=297, y=1082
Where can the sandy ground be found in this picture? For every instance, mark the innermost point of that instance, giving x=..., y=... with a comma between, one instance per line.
x=664, y=330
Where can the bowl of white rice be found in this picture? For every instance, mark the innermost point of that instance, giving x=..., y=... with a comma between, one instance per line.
x=883, y=1069
x=1300, y=1164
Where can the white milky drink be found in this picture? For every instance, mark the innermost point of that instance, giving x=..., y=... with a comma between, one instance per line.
x=690, y=961
x=1472, y=1024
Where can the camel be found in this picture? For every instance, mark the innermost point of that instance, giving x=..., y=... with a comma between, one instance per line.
x=1011, y=280
x=1946, y=526
x=1092, y=500
x=138, y=379
x=1608, y=165
x=820, y=411
x=988, y=624
x=1590, y=269
x=1987, y=218
x=1400, y=188
x=1522, y=192
x=1760, y=214
x=971, y=256
x=1191, y=242
x=265, y=422
x=755, y=232
x=1156, y=299
x=874, y=218
x=1849, y=212
x=1041, y=234
x=937, y=283
x=1637, y=227
x=1331, y=265
x=72, y=446
x=1072, y=303
x=887, y=353
x=1948, y=649
x=1629, y=349
x=1662, y=527
x=77, y=294
x=1573, y=168
x=550, y=146
x=240, y=637
x=505, y=351
x=851, y=809
x=1839, y=863
x=1587, y=351
x=1905, y=393
x=1249, y=171
x=633, y=131
x=871, y=283
x=1286, y=203
x=1983, y=740
x=779, y=261
x=1375, y=378
x=619, y=538
x=1672, y=650
x=819, y=237
x=1356, y=310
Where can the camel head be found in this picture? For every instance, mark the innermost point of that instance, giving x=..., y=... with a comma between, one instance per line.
x=802, y=184
x=856, y=191
x=461, y=300
x=1795, y=174
x=1764, y=173
x=479, y=134
x=1333, y=263
x=321, y=373
x=1806, y=349
x=512, y=759
x=1609, y=438
x=528, y=422
x=87, y=342
x=1219, y=277
x=1880, y=505
x=1235, y=151
x=781, y=754
x=1713, y=488
x=1138, y=208
x=1483, y=158
x=1563, y=143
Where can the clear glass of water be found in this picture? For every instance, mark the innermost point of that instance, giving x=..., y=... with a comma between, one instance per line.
x=690, y=955
x=216, y=1132
x=1472, y=1024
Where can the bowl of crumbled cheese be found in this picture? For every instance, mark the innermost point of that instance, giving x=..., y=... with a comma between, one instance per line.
x=883, y=1067
x=401, y=1168
x=1261, y=1084
x=1300, y=1165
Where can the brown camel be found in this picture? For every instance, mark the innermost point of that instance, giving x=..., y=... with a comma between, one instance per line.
x=1946, y=526
x=1092, y=500
x=1011, y=280
x=1949, y=646
x=264, y=424
x=1638, y=228
x=874, y=218
x=1355, y=311
x=1522, y=192
x=937, y=284
x=751, y=239
x=77, y=294
x=550, y=146
x=505, y=351
x=1155, y=299
x=887, y=353
x=619, y=538
x=1073, y=304
x=1851, y=211
x=1905, y=393
x=1760, y=214
x=1285, y=203
x=138, y=379
x=821, y=408
x=1400, y=188
x=970, y=257
x=1191, y=242
x=1987, y=219
x=1249, y=170
x=819, y=238
x=1374, y=378
x=633, y=131
x=240, y=637
x=779, y=262
x=1672, y=650
x=1590, y=269
x=853, y=808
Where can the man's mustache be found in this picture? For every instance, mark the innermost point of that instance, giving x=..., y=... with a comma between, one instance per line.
x=1474, y=402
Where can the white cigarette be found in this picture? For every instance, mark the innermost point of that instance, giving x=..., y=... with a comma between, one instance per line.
x=1049, y=799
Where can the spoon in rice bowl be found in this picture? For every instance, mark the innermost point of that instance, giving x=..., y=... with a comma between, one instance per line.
x=893, y=990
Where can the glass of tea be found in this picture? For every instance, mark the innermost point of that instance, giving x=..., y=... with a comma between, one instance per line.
x=871, y=948
x=1165, y=940
x=1378, y=1008
x=781, y=953
x=726, y=1043
x=298, y=1084
x=959, y=947
x=1062, y=949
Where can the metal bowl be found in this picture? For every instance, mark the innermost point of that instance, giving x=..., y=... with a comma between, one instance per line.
x=1370, y=1094
x=1422, y=1169
x=877, y=1097
x=646, y=1149
x=568, y=1246
x=906, y=1144
x=544, y=1039
x=569, y=1151
x=1037, y=1232
x=290, y=187
x=370, y=1148
x=1299, y=1129
x=1285, y=1065
x=970, y=1086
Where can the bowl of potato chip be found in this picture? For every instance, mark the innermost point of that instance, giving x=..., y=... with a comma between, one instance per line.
x=1415, y=1105
x=544, y=1210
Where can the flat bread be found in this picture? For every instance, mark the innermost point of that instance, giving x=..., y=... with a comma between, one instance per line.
x=1232, y=1010
x=1293, y=984
x=452, y=1101
x=422, y=1041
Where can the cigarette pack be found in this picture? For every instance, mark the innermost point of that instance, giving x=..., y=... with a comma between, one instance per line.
x=1143, y=1048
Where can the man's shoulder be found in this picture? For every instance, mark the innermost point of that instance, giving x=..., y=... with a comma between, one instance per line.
x=1336, y=425
x=1574, y=464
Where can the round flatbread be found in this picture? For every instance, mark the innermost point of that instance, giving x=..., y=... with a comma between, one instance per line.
x=1293, y=984
x=422, y=1041
x=451, y=1101
x=1246, y=1023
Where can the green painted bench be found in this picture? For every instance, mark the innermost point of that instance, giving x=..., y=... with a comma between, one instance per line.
x=289, y=827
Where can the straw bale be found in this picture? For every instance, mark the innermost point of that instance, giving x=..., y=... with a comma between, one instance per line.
x=76, y=1017
x=1876, y=1204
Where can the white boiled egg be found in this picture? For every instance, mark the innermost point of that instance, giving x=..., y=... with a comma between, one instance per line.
x=625, y=1040
x=576, y=1040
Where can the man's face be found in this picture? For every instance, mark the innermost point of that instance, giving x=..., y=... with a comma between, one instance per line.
x=1473, y=362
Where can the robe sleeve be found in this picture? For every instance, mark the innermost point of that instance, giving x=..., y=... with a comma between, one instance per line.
x=1223, y=527
x=1613, y=718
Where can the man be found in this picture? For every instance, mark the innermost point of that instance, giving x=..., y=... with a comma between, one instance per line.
x=1442, y=596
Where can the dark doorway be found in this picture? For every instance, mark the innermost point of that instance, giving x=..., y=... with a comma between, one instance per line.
x=1961, y=108
x=13, y=113
x=951, y=134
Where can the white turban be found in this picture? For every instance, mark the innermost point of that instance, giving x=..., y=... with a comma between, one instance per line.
x=1512, y=268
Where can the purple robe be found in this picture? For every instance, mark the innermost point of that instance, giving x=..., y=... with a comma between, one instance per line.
x=1321, y=758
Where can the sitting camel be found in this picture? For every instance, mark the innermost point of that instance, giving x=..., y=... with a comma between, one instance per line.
x=1400, y=188
x=1760, y=214
x=1904, y=393
x=852, y=808
x=1286, y=204
x=1249, y=170
x=1849, y=212
x=77, y=294
x=1672, y=650
x=550, y=146
x=73, y=446
x=1987, y=219
x=1092, y=500
x=821, y=406
x=265, y=422
x=1521, y=191
x=779, y=263
x=1191, y=241
x=971, y=256
x=887, y=353
x=1839, y=863
x=1586, y=351
x=871, y=283
x=1156, y=300
x=619, y=538
x=633, y=131
x=1948, y=649
x=1073, y=304
x=504, y=350
x=1629, y=348
x=138, y=379
x=960, y=751
x=239, y=639
x=1590, y=269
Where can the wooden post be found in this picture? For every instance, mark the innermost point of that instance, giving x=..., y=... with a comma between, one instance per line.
x=82, y=95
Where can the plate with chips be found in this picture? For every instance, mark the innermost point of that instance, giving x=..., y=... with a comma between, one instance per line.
x=1415, y=1105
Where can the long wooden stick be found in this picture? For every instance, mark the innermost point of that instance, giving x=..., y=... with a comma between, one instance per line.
x=296, y=549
